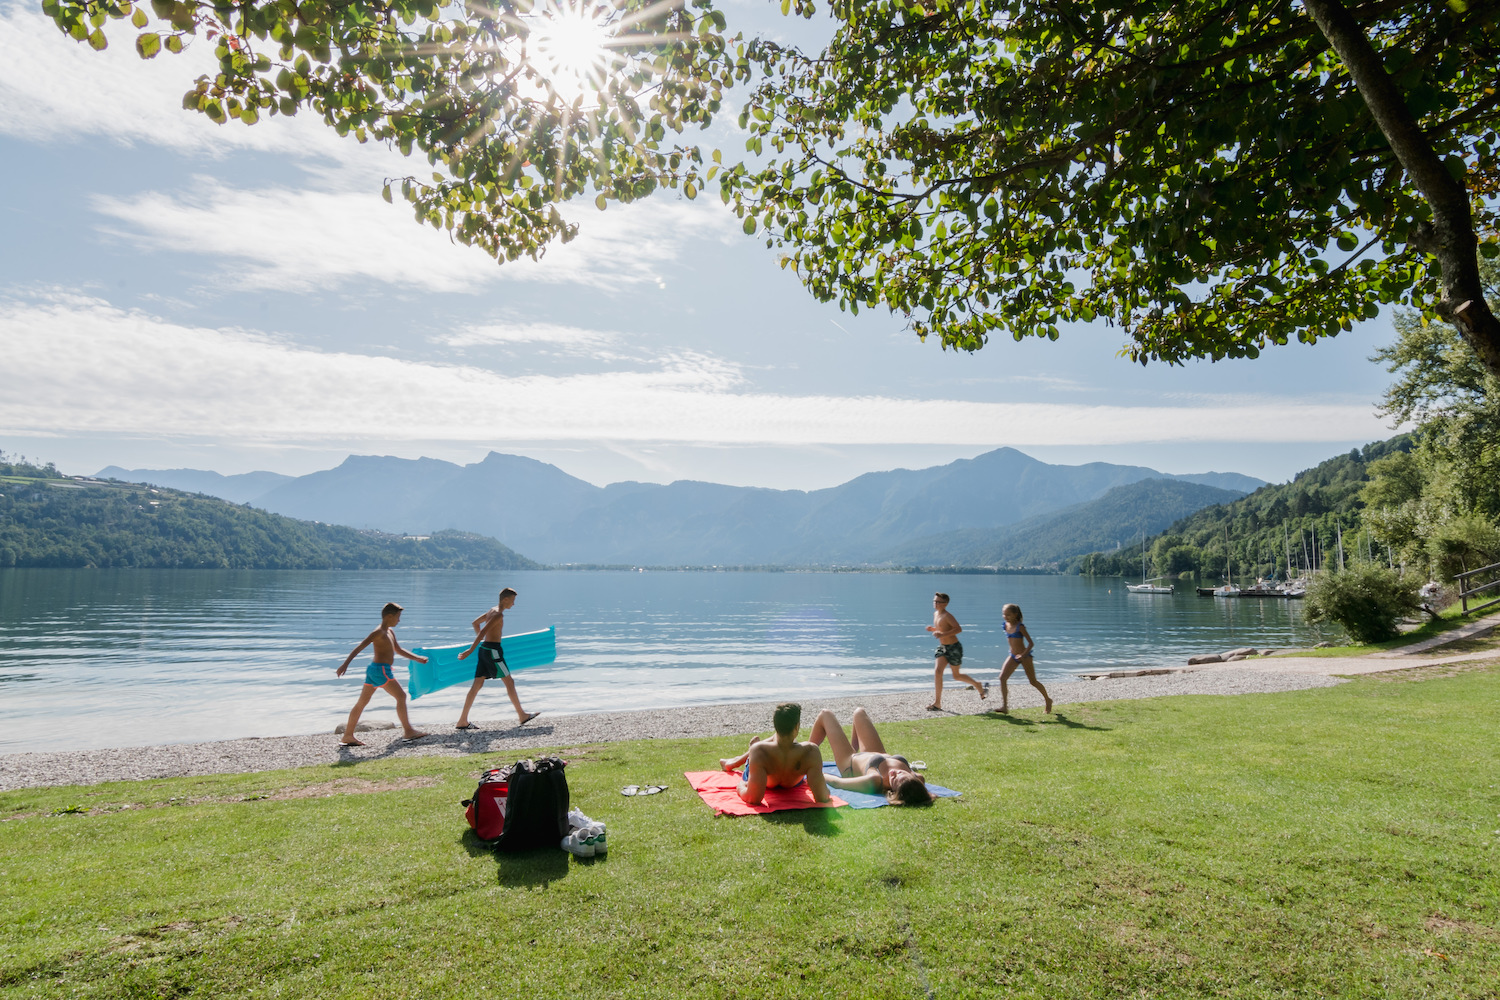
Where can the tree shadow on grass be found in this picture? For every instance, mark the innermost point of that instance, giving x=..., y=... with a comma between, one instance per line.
x=818, y=822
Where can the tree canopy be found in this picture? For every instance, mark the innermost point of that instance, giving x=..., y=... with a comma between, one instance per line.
x=1215, y=176
x=518, y=106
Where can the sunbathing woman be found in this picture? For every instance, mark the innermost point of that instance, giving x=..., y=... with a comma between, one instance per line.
x=864, y=766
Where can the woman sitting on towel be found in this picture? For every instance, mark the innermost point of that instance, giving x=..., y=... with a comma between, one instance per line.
x=864, y=766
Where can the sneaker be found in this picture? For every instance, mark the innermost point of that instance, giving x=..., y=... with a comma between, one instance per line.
x=577, y=846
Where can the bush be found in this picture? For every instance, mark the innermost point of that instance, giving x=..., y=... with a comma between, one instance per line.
x=1366, y=600
x=1461, y=544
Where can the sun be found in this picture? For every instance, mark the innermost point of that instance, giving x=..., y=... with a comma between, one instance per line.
x=570, y=46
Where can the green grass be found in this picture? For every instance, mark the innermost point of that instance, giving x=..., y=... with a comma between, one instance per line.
x=1448, y=619
x=1337, y=842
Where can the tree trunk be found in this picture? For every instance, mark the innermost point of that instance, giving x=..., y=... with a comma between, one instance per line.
x=1451, y=237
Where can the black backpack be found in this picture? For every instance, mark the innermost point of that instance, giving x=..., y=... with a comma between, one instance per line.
x=536, y=810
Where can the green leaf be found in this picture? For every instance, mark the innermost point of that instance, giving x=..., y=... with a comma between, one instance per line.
x=749, y=226
x=139, y=18
x=148, y=45
x=97, y=41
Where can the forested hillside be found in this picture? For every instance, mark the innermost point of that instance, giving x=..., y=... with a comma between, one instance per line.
x=47, y=520
x=1123, y=513
x=1306, y=513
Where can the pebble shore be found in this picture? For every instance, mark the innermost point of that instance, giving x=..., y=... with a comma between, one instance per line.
x=88, y=767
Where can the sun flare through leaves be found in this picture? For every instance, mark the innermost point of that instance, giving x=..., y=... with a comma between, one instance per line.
x=571, y=46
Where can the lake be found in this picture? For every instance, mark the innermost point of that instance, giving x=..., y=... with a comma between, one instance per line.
x=100, y=658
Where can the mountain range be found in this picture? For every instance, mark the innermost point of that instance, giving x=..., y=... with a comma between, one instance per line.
x=997, y=504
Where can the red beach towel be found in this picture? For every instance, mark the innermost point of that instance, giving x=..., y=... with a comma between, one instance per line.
x=718, y=789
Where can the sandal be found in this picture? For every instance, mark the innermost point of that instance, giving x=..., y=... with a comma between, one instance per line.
x=642, y=789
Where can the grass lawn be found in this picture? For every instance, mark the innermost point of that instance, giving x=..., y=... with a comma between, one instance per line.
x=1336, y=842
x=1448, y=619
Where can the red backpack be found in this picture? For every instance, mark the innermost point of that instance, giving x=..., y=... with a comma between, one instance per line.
x=486, y=810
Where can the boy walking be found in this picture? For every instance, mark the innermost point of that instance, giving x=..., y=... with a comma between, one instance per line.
x=950, y=652
x=381, y=674
x=487, y=628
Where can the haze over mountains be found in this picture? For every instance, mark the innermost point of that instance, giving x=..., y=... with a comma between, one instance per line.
x=997, y=504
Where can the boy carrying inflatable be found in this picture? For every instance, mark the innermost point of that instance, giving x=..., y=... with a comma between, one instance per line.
x=381, y=674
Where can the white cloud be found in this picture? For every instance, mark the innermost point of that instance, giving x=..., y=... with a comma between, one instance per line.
x=333, y=229
x=301, y=240
x=53, y=88
x=88, y=367
x=526, y=333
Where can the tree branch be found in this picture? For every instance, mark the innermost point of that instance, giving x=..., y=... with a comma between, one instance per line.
x=1452, y=238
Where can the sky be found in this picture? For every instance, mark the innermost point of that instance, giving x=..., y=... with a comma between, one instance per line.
x=175, y=293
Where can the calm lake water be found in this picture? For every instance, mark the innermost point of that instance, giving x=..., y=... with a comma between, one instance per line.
x=99, y=658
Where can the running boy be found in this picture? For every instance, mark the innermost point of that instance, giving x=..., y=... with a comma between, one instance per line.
x=1021, y=645
x=487, y=629
x=380, y=674
x=950, y=652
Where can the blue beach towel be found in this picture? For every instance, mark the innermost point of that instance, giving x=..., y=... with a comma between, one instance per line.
x=860, y=800
x=444, y=669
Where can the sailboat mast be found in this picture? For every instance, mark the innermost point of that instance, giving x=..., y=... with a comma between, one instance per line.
x=1228, y=561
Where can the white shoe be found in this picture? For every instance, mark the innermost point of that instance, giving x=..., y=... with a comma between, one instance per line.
x=577, y=846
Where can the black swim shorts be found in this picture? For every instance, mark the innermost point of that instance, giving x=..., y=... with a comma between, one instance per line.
x=953, y=652
x=491, y=662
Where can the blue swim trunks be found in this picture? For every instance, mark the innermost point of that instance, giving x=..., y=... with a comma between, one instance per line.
x=379, y=674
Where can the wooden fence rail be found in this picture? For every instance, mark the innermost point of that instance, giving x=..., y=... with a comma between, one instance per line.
x=1466, y=592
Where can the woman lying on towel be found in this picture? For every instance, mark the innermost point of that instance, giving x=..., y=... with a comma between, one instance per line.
x=864, y=766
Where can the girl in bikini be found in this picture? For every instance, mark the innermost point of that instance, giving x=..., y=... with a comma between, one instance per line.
x=1021, y=645
x=864, y=766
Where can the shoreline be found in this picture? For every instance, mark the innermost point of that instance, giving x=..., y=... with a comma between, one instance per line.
x=270, y=753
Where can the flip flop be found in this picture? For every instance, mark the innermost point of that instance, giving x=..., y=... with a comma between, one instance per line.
x=469, y=726
x=529, y=717
x=642, y=789
x=413, y=739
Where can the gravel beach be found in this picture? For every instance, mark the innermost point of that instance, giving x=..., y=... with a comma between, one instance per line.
x=88, y=767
